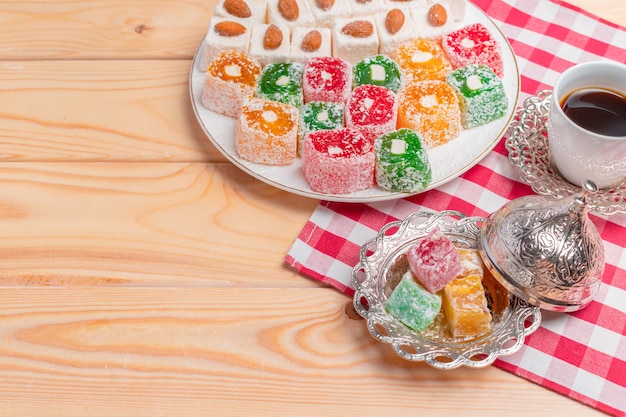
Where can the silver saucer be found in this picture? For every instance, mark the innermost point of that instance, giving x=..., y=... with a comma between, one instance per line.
x=383, y=262
x=528, y=149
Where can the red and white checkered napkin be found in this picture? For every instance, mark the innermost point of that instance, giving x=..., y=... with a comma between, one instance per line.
x=582, y=355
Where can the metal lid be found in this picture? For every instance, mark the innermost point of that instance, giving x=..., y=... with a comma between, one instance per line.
x=545, y=251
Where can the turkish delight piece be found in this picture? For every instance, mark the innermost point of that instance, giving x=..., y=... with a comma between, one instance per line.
x=357, y=8
x=325, y=13
x=377, y=70
x=412, y=304
x=394, y=27
x=267, y=131
x=473, y=44
x=402, y=162
x=481, y=94
x=431, y=108
x=471, y=262
x=320, y=115
x=327, y=79
x=223, y=33
x=434, y=260
x=338, y=161
x=372, y=109
x=249, y=11
x=433, y=18
x=291, y=13
x=422, y=59
x=282, y=82
x=230, y=77
x=465, y=307
x=269, y=43
x=355, y=38
x=307, y=43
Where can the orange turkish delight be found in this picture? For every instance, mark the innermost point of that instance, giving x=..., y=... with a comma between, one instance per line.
x=432, y=109
x=465, y=307
x=230, y=77
x=422, y=59
x=267, y=131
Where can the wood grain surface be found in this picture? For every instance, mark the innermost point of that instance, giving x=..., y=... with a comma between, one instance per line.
x=142, y=274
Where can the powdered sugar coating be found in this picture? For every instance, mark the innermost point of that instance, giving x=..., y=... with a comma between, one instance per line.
x=481, y=94
x=434, y=260
x=338, y=161
x=327, y=79
x=473, y=44
x=223, y=93
x=432, y=109
x=267, y=131
x=282, y=82
x=412, y=304
x=407, y=169
x=373, y=110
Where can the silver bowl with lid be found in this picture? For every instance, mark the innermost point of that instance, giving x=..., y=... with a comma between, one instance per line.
x=546, y=251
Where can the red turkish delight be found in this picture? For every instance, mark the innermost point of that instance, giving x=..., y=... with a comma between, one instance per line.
x=327, y=79
x=338, y=161
x=373, y=110
x=473, y=44
x=434, y=260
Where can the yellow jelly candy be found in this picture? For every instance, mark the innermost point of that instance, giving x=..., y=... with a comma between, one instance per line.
x=465, y=307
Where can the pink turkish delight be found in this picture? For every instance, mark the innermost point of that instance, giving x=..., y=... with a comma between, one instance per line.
x=434, y=260
x=473, y=44
x=338, y=161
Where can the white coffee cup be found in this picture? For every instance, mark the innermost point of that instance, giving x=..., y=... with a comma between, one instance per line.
x=580, y=154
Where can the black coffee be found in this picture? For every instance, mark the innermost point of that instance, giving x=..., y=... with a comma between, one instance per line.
x=597, y=110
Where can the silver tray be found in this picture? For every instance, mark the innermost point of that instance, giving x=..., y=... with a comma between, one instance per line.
x=383, y=262
x=527, y=144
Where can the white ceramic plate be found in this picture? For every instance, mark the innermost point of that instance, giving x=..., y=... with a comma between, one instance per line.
x=448, y=161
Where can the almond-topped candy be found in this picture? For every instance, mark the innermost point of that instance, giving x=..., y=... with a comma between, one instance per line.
x=238, y=8
x=273, y=37
x=229, y=28
x=289, y=9
x=358, y=29
x=437, y=15
x=394, y=20
x=325, y=4
x=312, y=41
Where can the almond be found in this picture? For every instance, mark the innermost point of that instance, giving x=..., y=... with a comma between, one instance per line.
x=312, y=41
x=394, y=20
x=358, y=29
x=238, y=8
x=325, y=4
x=289, y=9
x=273, y=37
x=230, y=28
x=437, y=15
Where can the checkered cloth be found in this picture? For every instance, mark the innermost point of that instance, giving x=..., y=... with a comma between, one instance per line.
x=581, y=355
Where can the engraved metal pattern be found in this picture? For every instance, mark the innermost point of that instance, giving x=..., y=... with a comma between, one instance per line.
x=546, y=251
x=382, y=264
x=527, y=144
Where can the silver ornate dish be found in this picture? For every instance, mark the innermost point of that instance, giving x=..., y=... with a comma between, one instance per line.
x=382, y=264
x=527, y=144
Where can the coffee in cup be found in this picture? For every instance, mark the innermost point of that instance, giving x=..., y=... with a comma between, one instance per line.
x=587, y=123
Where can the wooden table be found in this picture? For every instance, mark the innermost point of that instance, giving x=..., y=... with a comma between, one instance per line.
x=142, y=274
